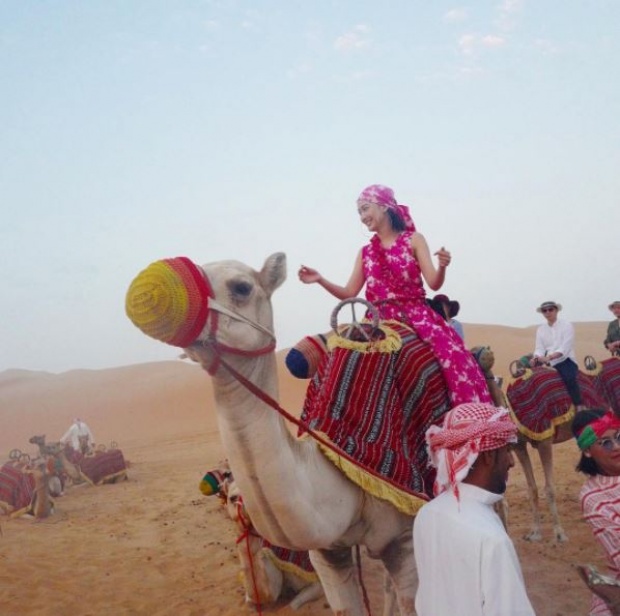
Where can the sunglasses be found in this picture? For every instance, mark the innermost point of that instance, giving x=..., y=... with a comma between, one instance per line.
x=610, y=442
x=548, y=310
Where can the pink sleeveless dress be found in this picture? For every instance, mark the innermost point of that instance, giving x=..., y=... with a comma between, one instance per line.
x=394, y=285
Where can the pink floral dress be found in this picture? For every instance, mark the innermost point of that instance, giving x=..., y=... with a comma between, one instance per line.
x=394, y=285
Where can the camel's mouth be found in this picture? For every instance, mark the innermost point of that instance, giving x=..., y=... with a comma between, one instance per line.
x=169, y=301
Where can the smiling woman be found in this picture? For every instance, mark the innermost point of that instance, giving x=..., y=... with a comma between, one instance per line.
x=598, y=437
x=393, y=266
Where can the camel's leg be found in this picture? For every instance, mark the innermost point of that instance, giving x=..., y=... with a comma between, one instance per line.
x=339, y=578
x=312, y=592
x=524, y=458
x=545, y=451
x=390, y=607
x=399, y=562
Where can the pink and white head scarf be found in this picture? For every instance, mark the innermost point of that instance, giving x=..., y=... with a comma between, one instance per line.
x=384, y=196
x=467, y=430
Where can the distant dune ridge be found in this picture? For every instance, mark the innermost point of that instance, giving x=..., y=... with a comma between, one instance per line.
x=163, y=398
x=155, y=545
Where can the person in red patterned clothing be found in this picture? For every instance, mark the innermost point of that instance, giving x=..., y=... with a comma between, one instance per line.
x=598, y=436
x=394, y=266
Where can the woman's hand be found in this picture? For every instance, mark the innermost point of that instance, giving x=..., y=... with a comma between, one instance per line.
x=443, y=257
x=308, y=275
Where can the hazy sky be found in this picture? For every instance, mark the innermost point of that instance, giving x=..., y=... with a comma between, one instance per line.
x=215, y=129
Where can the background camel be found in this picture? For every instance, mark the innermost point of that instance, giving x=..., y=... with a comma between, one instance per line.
x=58, y=463
x=543, y=410
x=270, y=573
x=295, y=497
x=605, y=376
x=24, y=488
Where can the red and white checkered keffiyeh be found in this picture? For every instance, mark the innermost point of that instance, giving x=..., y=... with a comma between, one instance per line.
x=467, y=430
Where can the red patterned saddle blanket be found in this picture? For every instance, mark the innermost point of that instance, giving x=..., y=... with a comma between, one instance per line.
x=539, y=401
x=374, y=401
x=294, y=561
x=17, y=489
x=103, y=466
x=607, y=382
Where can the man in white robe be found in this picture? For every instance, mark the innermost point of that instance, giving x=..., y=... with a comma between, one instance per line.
x=72, y=437
x=466, y=561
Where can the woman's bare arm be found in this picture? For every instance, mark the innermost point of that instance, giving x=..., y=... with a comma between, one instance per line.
x=434, y=276
x=356, y=281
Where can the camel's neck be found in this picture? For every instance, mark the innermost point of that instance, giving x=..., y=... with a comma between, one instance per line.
x=42, y=503
x=268, y=463
x=69, y=468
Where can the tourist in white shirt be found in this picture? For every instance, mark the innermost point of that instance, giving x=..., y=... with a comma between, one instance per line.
x=466, y=561
x=79, y=437
x=555, y=347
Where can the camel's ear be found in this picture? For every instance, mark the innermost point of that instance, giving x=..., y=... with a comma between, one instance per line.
x=273, y=273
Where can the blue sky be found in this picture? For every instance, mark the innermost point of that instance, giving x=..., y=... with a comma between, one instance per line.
x=138, y=130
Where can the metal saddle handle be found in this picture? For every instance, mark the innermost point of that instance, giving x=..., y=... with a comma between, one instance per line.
x=355, y=326
x=590, y=363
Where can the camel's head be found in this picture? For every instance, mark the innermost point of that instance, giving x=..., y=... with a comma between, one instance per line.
x=222, y=305
x=484, y=356
x=37, y=440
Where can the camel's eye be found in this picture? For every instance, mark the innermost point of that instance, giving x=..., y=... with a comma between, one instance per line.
x=240, y=289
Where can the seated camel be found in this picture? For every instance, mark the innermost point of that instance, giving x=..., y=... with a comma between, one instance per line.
x=24, y=488
x=57, y=474
x=269, y=572
x=101, y=467
x=58, y=460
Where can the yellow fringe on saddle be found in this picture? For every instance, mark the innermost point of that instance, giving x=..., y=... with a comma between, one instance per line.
x=549, y=432
x=390, y=344
x=287, y=567
x=403, y=501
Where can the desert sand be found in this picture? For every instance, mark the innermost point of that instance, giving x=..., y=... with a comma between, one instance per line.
x=155, y=545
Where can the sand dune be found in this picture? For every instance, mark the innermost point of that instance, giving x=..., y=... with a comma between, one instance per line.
x=155, y=545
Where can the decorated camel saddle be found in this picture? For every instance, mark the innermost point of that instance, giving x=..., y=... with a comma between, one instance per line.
x=22, y=484
x=102, y=466
x=375, y=388
x=540, y=402
x=605, y=376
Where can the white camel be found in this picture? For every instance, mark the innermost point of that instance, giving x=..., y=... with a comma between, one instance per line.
x=295, y=497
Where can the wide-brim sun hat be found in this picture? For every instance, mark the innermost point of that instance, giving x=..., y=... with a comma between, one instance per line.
x=545, y=305
x=614, y=304
x=169, y=301
x=453, y=305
